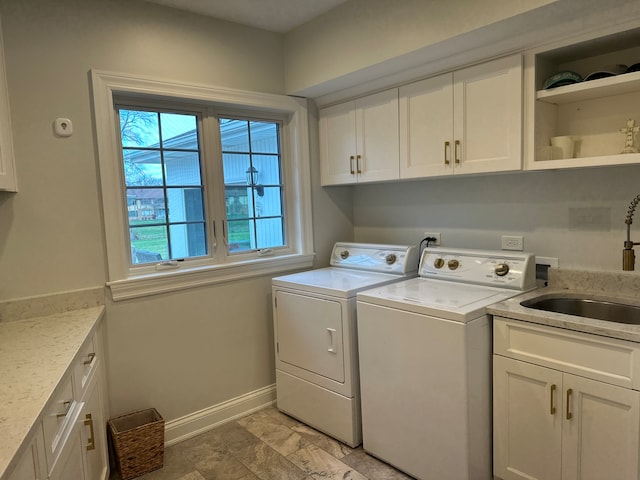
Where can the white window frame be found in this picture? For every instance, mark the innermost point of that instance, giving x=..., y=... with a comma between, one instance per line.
x=126, y=281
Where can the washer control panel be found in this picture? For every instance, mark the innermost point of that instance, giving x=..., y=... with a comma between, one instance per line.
x=482, y=267
x=398, y=259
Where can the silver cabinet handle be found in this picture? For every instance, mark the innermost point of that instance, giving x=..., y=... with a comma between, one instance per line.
x=90, y=357
x=67, y=406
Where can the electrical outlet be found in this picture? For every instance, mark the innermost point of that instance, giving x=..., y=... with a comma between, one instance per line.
x=512, y=242
x=433, y=235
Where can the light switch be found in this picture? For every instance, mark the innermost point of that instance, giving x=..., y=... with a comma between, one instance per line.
x=63, y=127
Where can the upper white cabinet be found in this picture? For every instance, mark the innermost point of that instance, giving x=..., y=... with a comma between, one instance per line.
x=7, y=168
x=359, y=140
x=468, y=121
x=592, y=114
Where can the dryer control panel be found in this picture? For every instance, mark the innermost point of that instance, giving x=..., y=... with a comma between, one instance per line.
x=482, y=267
x=397, y=259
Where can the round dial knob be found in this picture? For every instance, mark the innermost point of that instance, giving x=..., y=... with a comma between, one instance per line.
x=390, y=259
x=344, y=254
x=453, y=264
x=501, y=269
x=439, y=263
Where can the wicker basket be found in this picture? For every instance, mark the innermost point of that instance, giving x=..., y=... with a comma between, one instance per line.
x=138, y=441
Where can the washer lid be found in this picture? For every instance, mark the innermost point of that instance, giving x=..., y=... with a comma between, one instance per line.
x=438, y=298
x=337, y=282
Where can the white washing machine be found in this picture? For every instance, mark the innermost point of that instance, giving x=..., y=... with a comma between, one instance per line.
x=314, y=316
x=425, y=362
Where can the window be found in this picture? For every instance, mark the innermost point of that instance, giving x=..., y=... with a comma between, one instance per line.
x=253, y=184
x=163, y=185
x=199, y=185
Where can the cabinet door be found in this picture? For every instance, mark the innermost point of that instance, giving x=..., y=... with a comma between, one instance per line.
x=94, y=445
x=426, y=128
x=338, y=144
x=378, y=147
x=488, y=116
x=527, y=420
x=600, y=440
x=7, y=169
x=70, y=464
x=31, y=465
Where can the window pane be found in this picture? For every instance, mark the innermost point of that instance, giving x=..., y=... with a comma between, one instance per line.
x=237, y=202
x=240, y=234
x=182, y=168
x=139, y=128
x=179, y=131
x=234, y=135
x=264, y=137
x=267, y=201
x=185, y=205
x=148, y=244
x=142, y=167
x=269, y=232
x=145, y=204
x=188, y=240
x=268, y=167
x=235, y=168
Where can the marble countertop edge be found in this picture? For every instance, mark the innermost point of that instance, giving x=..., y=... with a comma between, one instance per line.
x=512, y=309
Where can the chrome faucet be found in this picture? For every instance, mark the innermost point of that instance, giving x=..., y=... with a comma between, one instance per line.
x=628, y=256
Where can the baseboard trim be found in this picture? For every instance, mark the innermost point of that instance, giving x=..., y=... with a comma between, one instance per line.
x=195, y=423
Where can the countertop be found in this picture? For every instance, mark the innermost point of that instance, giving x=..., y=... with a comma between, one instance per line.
x=621, y=287
x=35, y=354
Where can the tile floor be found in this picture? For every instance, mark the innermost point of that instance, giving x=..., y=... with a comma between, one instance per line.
x=268, y=445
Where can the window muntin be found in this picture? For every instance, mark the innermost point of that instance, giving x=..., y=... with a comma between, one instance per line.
x=161, y=161
x=252, y=166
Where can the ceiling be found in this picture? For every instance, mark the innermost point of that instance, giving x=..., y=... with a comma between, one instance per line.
x=278, y=16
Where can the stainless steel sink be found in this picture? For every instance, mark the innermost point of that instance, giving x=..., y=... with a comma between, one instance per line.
x=586, y=307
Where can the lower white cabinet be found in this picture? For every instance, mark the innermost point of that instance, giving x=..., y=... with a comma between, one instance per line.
x=70, y=463
x=552, y=425
x=32, y=464
x=84, y=453
x=70, y=442
x=93, y=431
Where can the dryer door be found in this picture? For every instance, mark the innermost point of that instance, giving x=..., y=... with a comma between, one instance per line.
x=309, y=334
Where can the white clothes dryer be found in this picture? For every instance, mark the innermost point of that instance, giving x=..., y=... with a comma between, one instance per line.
x=425, y=362
x=314, y=315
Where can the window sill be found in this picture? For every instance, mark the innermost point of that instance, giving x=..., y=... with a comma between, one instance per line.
x=162, y=282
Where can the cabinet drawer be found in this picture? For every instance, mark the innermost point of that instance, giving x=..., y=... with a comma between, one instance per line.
x=84, y=367
x=606, y=359
x=58, y=420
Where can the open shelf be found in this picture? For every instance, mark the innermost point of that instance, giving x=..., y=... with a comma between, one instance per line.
x=603, y=87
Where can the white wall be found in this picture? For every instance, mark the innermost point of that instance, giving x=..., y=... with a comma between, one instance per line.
x=574, y=215
x=370, y=44
x=362, y=33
